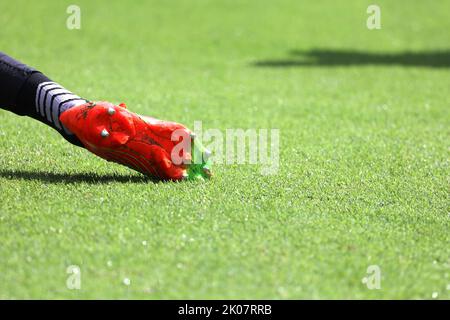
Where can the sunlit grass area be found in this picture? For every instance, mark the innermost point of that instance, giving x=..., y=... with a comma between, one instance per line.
x=364, y=164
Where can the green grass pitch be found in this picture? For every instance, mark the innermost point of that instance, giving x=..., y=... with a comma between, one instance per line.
x=364, y=161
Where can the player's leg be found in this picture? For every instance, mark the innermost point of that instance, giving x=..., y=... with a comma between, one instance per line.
x=109, y=131
x=27, y=92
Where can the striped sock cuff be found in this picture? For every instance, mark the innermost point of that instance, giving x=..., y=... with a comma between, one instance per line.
x=52, y=100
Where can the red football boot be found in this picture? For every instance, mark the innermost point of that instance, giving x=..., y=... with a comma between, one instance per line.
x=156, y=148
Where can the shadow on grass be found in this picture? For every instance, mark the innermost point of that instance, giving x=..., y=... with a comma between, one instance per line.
x=52, y=177
x=332, y=58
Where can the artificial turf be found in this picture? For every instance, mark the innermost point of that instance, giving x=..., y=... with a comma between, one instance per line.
x=364, y=163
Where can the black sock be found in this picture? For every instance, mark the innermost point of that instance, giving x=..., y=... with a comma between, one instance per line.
x=27, y=92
